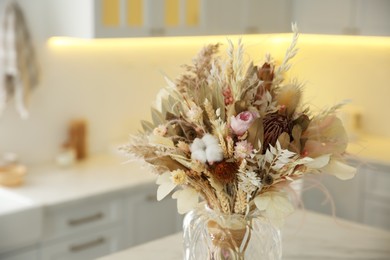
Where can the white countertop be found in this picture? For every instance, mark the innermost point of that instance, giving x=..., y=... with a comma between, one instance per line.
x=306, y=235
x=49, y=184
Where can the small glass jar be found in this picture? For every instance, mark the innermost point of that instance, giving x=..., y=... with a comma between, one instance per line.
x=212, y=235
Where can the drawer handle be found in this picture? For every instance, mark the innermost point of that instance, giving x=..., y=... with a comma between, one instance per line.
x=151, y=198
x=84, y=246
x=84, y=220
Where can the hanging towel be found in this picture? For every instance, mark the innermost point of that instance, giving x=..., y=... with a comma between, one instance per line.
x=19, y=72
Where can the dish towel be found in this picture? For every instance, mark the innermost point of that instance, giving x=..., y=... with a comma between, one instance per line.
x=19, y=72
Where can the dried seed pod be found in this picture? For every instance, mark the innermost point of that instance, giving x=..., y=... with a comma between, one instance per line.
x=268, y=180
x=274, y=125
x=225, y=172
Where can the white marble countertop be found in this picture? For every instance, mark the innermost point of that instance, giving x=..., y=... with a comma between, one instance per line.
x=306, y=235
x=49, y=184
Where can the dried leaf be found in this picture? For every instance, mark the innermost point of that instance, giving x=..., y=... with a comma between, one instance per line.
x=256, y=133
x=295, y=145
x=284, y=140
x=165, y=162
x=240, y=106
x=147, y=126
x=157, y=117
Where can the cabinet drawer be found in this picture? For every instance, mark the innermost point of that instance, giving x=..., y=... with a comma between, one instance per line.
x=31, y=254
x=85, y=247
x=377, y=213
x=61, y=221
x=378, y=182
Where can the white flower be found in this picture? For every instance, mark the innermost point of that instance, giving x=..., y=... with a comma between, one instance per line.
x=248, y=181
x=179, y=177
x=168, y=181
x=206, y=149
x=187, y=199
x=166, y=185
x=340, y=170
x=276, y=206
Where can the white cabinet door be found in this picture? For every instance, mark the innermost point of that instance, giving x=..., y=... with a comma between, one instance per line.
x=328, y=17
x=86, y=246
x=321, y=191
x=376, y=210
x=82, y=216
x=149, y=219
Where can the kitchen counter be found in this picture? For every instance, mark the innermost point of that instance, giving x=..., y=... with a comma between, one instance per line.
x=26, y=209
x=306, y=235
x=49, y=184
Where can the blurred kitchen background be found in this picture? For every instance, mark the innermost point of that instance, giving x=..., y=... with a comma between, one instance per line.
x=100, y=65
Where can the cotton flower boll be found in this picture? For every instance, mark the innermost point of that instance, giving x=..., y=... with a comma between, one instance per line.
x=197, y=144
x=199, y=155
x=214, y=153
x=206, y=149
x=209, y=140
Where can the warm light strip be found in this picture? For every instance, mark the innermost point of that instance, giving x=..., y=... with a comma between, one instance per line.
x=274, y=38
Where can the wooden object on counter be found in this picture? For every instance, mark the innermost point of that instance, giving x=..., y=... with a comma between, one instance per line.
x=77, y=138
x=12, y=175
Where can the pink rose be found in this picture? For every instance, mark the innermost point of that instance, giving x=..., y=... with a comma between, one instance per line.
x=241, y=123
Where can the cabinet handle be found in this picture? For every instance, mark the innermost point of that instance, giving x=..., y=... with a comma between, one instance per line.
x=84, y=220
x=151, y=198
x=84, y=246
x=157, y=31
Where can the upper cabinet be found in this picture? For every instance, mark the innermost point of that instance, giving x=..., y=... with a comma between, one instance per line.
x=140, y=18
x=354, y=17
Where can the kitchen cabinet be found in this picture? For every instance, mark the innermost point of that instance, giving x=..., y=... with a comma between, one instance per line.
x=364, y=199
x=148, y=219
x=87, y=245
x=140, y=18
x=144, y=18
x=23, y=254
x=355, y=17
x=83, y=229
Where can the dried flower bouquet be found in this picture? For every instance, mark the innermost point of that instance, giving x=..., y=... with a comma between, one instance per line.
x=236, y=135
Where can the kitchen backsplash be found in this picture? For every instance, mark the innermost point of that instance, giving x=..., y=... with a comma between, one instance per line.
x=112, y=83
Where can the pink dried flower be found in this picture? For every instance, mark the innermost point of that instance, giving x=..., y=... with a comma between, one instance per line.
x=243, y=149
x=228, y=96
x=241, y=123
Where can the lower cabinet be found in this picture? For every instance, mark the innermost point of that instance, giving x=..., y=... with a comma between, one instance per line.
x=148, y=219
x=364, y=199
x=86, y=246
x=23, y=254
x=101, y=225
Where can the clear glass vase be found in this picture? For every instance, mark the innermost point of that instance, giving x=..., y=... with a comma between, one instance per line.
x=212, y=235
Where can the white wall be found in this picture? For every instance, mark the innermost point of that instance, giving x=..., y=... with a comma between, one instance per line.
x=113, y=83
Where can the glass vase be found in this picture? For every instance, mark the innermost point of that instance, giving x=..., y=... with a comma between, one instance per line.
x=212, y=235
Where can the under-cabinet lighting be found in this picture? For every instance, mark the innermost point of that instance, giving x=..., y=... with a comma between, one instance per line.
x=276, y=39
